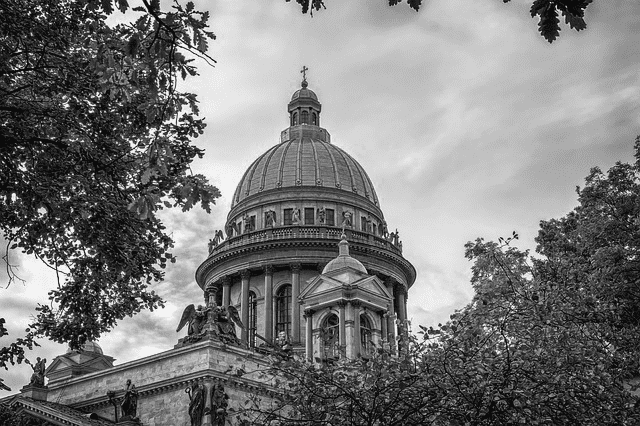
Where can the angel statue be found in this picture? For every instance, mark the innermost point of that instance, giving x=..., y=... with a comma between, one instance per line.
x=225, y=321
x=197, y=318
x=219, y=321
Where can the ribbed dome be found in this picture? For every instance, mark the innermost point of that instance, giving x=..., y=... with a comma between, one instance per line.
x=304, y=93
x=305, y=161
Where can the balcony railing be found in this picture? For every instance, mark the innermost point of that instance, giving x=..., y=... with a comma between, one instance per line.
x=304, y=232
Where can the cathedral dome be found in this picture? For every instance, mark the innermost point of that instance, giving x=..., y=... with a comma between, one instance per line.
x=305, y=160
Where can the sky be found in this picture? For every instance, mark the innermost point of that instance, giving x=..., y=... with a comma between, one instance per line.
x=467, y=121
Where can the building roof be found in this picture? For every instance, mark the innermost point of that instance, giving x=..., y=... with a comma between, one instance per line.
x=305, y=161
x=57, y=414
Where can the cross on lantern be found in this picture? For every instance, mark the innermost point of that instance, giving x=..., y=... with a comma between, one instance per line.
x=304, y=72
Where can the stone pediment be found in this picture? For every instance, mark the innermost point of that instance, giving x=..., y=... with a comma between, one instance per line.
x=346, y=284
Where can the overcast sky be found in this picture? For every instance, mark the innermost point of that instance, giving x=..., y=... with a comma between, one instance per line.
x=467, y=121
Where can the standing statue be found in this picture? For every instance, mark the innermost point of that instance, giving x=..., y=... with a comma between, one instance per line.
x=129, y=404
x=228, y=229
x=322, y=216
x=246, y=222
x=346, y=219
x=218, y=237
x=384, y=230
x=219, y=404
x=196, y=403
x=400, y=246
x=396, y=237
x=37, y=377
x=270, y=219
x=295, y=216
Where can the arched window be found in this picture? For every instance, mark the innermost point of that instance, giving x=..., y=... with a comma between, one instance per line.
x=304, y=117
x=314, y=119
x=253, y=319
x=283, y=310
x=366, y=343
x=294, y=119
x=330, y=337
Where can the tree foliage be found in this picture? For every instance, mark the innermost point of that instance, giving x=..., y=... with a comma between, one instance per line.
x=96, y=137
x=547, y=12
x=545, y=341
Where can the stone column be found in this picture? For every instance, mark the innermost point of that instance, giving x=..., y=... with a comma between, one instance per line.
x=384, y=325
x=342, y=317
x=208, y=391
x=226, y=291
x=402, y=306
x=268, y=303
x=350, y=335
x=295, y=306
x=308, y=316
x=356, y=329
x=245, y=274
x=391, y=317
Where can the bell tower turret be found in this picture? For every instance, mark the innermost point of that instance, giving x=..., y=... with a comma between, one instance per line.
x=304, y=108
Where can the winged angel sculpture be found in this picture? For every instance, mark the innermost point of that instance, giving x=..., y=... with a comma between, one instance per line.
x=216, y=322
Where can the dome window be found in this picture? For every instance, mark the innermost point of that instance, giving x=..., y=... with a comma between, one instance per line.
x=283, y=310
x=294, y=119
x=314, y=119
x=304, y=117
x=309, y=216
x=330, y=217
x=366, y=344
x=288, y=216
x=330, y=338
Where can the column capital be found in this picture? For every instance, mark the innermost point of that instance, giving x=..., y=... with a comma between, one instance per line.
x=400, y=288
x=341, y=303
x=225, y=280
x=390, y=282
x=295, y=267
x=245, y=273
x=210, y=286
x=308, y=312
x=356, y=303
x=268, y=269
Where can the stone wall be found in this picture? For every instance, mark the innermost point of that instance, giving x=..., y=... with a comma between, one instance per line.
x=161, y=381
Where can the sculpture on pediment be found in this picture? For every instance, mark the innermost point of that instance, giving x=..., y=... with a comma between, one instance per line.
x=321, y=216
x=196, y=318
x=219, y=322
x=129, y=404
x=196, y=403
x=270, y=218
x=295, y=217
x=219, y=404
x=37, y=377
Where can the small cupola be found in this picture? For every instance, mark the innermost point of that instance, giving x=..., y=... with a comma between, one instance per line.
x=304, y=108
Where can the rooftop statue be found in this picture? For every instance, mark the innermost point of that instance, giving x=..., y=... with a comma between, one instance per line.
x=212, y=321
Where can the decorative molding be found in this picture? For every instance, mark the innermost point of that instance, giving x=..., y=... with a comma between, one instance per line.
x=245, y=274
x=295, y=267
